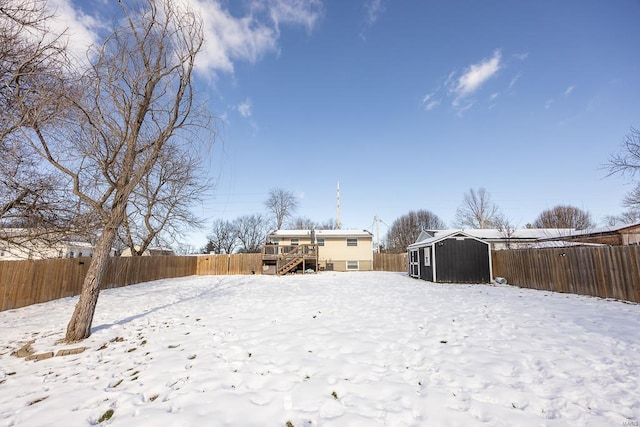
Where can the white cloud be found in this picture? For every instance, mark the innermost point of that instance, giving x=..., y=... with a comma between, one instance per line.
x=493, y=96
x=429, y=103
x=477, y=74
x=374, y=9
x=81, y=29
x=514, y=80
x=227, y=38
x=297, y=12
x=244, y=108
x=548, y=104
x=521, y=56
x=247, y=38
x=568, y=90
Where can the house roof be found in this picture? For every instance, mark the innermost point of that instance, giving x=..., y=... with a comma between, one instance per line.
x=561, y=244
x=603, y=230
x=320, y=233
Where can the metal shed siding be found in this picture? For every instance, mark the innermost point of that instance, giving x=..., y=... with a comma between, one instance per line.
x=462, y=260
x=426, y=272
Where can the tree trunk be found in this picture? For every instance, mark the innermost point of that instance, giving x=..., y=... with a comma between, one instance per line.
x=79, y=326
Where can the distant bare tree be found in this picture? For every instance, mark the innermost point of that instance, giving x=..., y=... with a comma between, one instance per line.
x=628, y=217
x=281, y=204
x=252, y=232
x=477, y=210
x=564, y=216
x=406, y=229
x=159, y=212
x=302, y=223
x=329, y=224
x=506, y=228
x=223, y=238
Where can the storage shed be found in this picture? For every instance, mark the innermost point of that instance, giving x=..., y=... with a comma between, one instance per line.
x=456, y=257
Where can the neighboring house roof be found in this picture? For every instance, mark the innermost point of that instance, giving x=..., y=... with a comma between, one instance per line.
x=561, y=244
x=618, y=229
x=520, y=233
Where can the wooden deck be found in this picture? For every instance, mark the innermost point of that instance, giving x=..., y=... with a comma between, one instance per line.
x=283, y=259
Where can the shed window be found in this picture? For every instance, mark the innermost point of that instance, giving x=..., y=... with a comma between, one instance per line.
x=295, y=241
x=320, y=241
x=352, y=265
x=427, y=257
x=352, y=241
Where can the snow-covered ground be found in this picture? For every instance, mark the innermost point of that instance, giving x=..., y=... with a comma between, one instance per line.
x=332, y=349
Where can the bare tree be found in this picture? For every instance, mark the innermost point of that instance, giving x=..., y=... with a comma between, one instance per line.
x=632, y=199
x=34, y=201
x=223, y=238
x=252, y=232
x=627, y=162
x=406, y=229
x=564, y=216
x=477, y=210
x=302, y=223
x=281, y=204
x=329, y=224
x=158, y=212
x=136, y=96
x=506, y=228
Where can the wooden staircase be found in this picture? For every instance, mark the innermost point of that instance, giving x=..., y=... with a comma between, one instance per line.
x=291, y=260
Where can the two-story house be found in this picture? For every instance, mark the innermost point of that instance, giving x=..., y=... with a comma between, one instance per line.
x=317, y=250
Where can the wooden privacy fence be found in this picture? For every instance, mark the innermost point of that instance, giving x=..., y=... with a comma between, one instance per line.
x=229, y=264
x=607, y=272
x=34, y=281
x=390, y=262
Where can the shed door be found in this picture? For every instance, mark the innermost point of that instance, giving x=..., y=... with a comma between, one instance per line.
x=461, y=260
x=426, y=270
x=414, y=267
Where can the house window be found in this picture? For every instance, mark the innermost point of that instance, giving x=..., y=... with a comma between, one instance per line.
x=352, y=241
x=320, y=242
x=352, y=265
x=295, y=241
x=80, y=255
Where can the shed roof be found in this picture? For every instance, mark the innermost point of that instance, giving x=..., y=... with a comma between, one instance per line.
x=443, y=236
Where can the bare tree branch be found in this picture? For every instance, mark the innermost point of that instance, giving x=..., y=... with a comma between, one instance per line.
x=477, y=210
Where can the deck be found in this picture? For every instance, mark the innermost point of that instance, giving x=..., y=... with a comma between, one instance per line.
x=283, y=259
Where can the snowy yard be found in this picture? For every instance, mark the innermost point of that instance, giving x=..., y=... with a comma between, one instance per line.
x=332, y=349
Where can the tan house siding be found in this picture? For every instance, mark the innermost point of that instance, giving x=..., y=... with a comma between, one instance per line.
x=333, y=250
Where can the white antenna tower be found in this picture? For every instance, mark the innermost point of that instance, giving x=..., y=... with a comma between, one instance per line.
x=338, y=217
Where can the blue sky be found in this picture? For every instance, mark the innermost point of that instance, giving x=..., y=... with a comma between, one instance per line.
x=409, y=104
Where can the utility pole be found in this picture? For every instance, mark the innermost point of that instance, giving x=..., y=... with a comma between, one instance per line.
x=338, y=214
x=377, y=219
